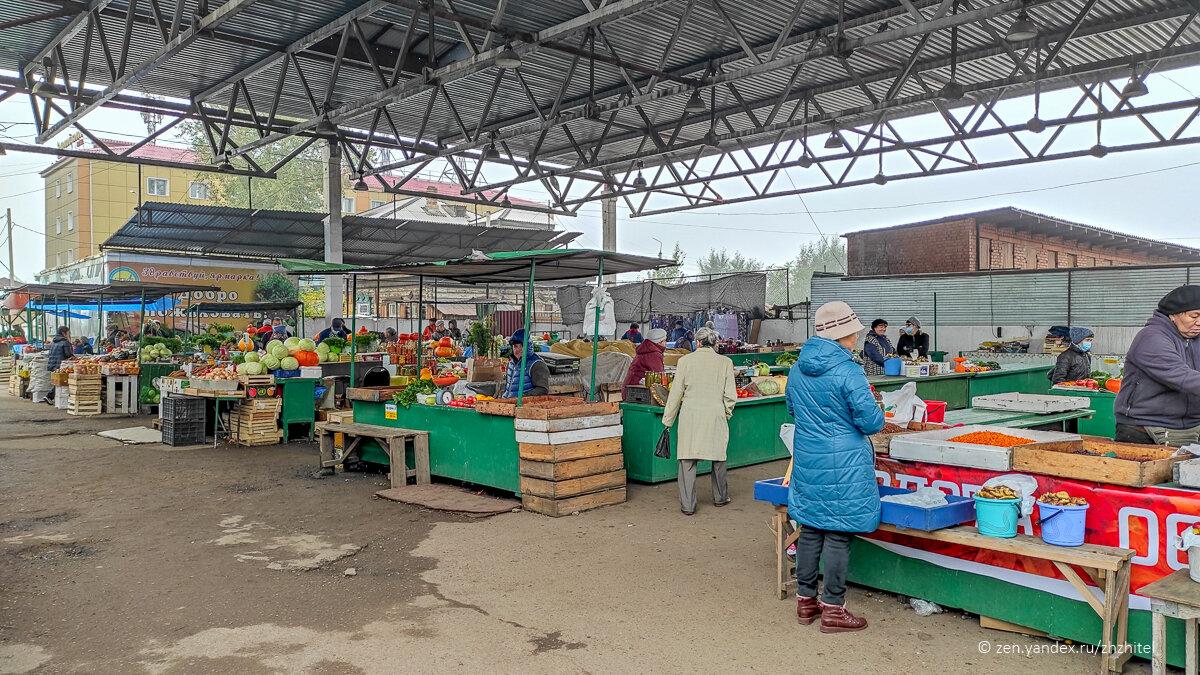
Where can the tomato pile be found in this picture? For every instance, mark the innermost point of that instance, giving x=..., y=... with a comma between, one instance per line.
x=468, y=402
x=1088, y=383
x=742, y=393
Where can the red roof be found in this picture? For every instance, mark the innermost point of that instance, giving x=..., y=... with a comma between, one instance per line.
x=451, y=191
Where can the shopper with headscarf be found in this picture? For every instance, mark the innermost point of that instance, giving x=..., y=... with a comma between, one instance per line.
x=913, y=343
x=649, y=358
x=702, y=398
x=1074, y=363
x=876, y=348
x=1159, y=401
x=832, y=489
x=536, y=378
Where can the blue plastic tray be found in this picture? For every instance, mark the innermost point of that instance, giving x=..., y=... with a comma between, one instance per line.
x=959, y=509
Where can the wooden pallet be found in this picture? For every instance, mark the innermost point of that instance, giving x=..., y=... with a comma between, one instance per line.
x=565, y=507
x=256, y=380
x=83, y=409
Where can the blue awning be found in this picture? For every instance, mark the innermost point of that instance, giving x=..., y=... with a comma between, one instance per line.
x=157, y=307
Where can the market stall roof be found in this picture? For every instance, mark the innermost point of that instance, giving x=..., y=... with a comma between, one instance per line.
x=243, y=307
x=114, y=291
x=512, y=266
x=194, y=229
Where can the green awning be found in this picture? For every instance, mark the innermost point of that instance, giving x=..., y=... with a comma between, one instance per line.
x=303, y=265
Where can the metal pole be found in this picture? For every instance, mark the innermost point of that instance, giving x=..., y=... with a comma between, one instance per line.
x=142, y=319
x=935, y=324
x=528, y=338
x=596, y=329
x=353, y=322
x=99, y=318
x=420, y=318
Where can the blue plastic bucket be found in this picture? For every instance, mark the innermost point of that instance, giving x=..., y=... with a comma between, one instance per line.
x=892, y=366
x=1065, y=529
x=997, y=517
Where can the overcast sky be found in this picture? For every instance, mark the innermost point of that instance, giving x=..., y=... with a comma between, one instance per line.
x=1150, y=193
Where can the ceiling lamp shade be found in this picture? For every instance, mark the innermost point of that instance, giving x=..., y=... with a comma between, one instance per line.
x=880, y=179
x=1134, y=88
x=953, y=91
x=508, y=59
x=805, y=161
x=1098, y=151
x=1035, y=124
x=640, y=181
x=1022, y=29
x=695, y=105
x=490, y=152
x=834, y=142
x=360, y=185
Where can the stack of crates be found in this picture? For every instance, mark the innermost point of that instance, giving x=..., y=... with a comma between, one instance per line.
x=182, y=421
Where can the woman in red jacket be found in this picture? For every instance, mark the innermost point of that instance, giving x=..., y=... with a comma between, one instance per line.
x=649, y=357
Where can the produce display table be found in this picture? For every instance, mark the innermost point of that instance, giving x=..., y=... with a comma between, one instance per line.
x=957, y=389
x=1024, y=590
x=1176, y=596
x=1064, y=421
x=753, y=438
x=1104, y=422
x=391, y=438
x=464, y=444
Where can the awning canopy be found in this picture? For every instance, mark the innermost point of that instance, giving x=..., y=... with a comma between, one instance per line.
x=156, y=307
x=514, y=266
x=243, y=307
x=192, y=229
x=112, y=292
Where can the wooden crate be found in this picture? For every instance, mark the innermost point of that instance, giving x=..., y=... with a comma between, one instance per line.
x=576, y=468
x=256, y=380
x=1134, y=465
x=563, y=453
x=574, y=487
x=256, y=422
x=565, y=507
x=545, y=407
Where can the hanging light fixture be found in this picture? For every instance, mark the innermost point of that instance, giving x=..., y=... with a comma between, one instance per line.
x=805, y=161
x=554, y=181
x=695, y=105
x=506, y=202
x=225, y=166
x=1098, y=150
x=508, y=58
x=640, y=181
x=834, y=142
x=1036, y=125
x=953, y=91
x=879, y=178
x=1136, y=86
x=44, y=88
x=360, y=185
x=1022, y=29
x=490, y=152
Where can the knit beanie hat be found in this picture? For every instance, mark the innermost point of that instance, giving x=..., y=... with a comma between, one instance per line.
x=1079, y=334
x=656, y=335
x=835, y=320
x=1182, y=299
x=913, y=320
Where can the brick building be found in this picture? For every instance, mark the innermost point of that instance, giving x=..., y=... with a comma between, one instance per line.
x=1004, y=238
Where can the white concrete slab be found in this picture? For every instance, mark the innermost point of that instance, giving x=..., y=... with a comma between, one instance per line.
x=133, y=435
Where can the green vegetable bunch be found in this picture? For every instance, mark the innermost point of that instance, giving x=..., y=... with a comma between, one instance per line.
x=481, y=338
x=364, y=341
x=334, y=342
x=408, y=395
x=786, y=359
x=173, y=344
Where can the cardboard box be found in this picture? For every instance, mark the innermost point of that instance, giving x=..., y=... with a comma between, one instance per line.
x=485, y=370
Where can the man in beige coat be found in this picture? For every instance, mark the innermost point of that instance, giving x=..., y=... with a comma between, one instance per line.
x=702, y=398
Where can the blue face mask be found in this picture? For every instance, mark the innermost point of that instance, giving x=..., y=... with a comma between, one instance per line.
x=909, y=329
x=1085, y=346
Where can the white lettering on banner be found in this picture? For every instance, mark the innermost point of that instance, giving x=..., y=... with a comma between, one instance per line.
x=883, y=477
x=156, y=274
x=946, y=486
x=906, y=480
x=1123, y=516
x=1173, y=528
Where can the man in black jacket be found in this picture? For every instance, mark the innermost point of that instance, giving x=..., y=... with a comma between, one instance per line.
x=60, y=350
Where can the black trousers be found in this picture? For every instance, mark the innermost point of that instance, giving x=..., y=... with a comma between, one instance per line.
x=1127, y=433
x=833, y=548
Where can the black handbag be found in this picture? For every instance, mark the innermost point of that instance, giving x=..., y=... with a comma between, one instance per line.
x=662, y=449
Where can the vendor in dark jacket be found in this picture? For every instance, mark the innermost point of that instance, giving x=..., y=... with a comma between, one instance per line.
x=1159, y=401
x=536, y=378
x=60, y=350
x=649, y=357
x=876, y=348
x=912, y=343
x=1074, y=363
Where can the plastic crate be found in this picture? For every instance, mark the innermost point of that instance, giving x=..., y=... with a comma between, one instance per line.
x=958, y=510
x=284, y=374
x=176, y=433
x=638, y=394
x=182, y=409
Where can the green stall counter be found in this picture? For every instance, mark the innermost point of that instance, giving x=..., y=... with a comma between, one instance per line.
x=753, y=438
x=1021, y=379
x=951, y=388
x=299, y=403
x=1103, y=422
x=464, y=445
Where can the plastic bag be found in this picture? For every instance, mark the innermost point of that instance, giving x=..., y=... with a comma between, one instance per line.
x=1021, y=484
x=787, y=434
x=662, y=449
x=924, y=607
x=904, y=404
x=608, y=318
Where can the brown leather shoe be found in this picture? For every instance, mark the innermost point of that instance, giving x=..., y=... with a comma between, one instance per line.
x=807, y=610
x=835, y=619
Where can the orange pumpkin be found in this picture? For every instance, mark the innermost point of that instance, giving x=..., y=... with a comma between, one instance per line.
x=445, y=342
x=307, y=358
x=1113, y=384
x=445, y=352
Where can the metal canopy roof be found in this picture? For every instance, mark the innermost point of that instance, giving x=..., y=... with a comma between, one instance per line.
x=115, y=291
x=243, y=307
x=191, y=229
x=685, y=87
x=514, y=266
x=1036, y=223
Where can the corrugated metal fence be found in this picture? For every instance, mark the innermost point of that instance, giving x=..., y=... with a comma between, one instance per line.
x=1109, y=296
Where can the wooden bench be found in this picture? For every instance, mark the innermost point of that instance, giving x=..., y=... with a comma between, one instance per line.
x=1107, y=567
x=1176, y=596
x=392, y=440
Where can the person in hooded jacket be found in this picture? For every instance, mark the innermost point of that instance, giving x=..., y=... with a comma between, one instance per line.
x=1074, y=363
x=1159, y=400
x=60, y=350
x=337, y=328
x=913, y=343
x=833, y=493
x=649, y=357
x=536, y=381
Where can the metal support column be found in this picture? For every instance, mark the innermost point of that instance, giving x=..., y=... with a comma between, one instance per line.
x=608, y=219
x=528, y=338
x=353, y=324
x=331, y=180
x=420, y=319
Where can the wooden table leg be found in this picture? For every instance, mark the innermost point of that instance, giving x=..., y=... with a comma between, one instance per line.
x=326, y=448
x=1158, y=644
x=397, y=472
x=1190, y=649
x=779, y=521
x=421, y=458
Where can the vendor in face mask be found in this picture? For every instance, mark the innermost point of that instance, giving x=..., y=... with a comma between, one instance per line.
x=912, y=343
x=537, y=374
x=1074, y=363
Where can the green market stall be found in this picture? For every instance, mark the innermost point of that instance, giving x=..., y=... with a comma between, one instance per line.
x=464, y=444
x=1104, y=422
x=958, y=389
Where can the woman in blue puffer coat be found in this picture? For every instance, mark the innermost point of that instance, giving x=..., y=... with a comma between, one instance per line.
x=833, y=491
